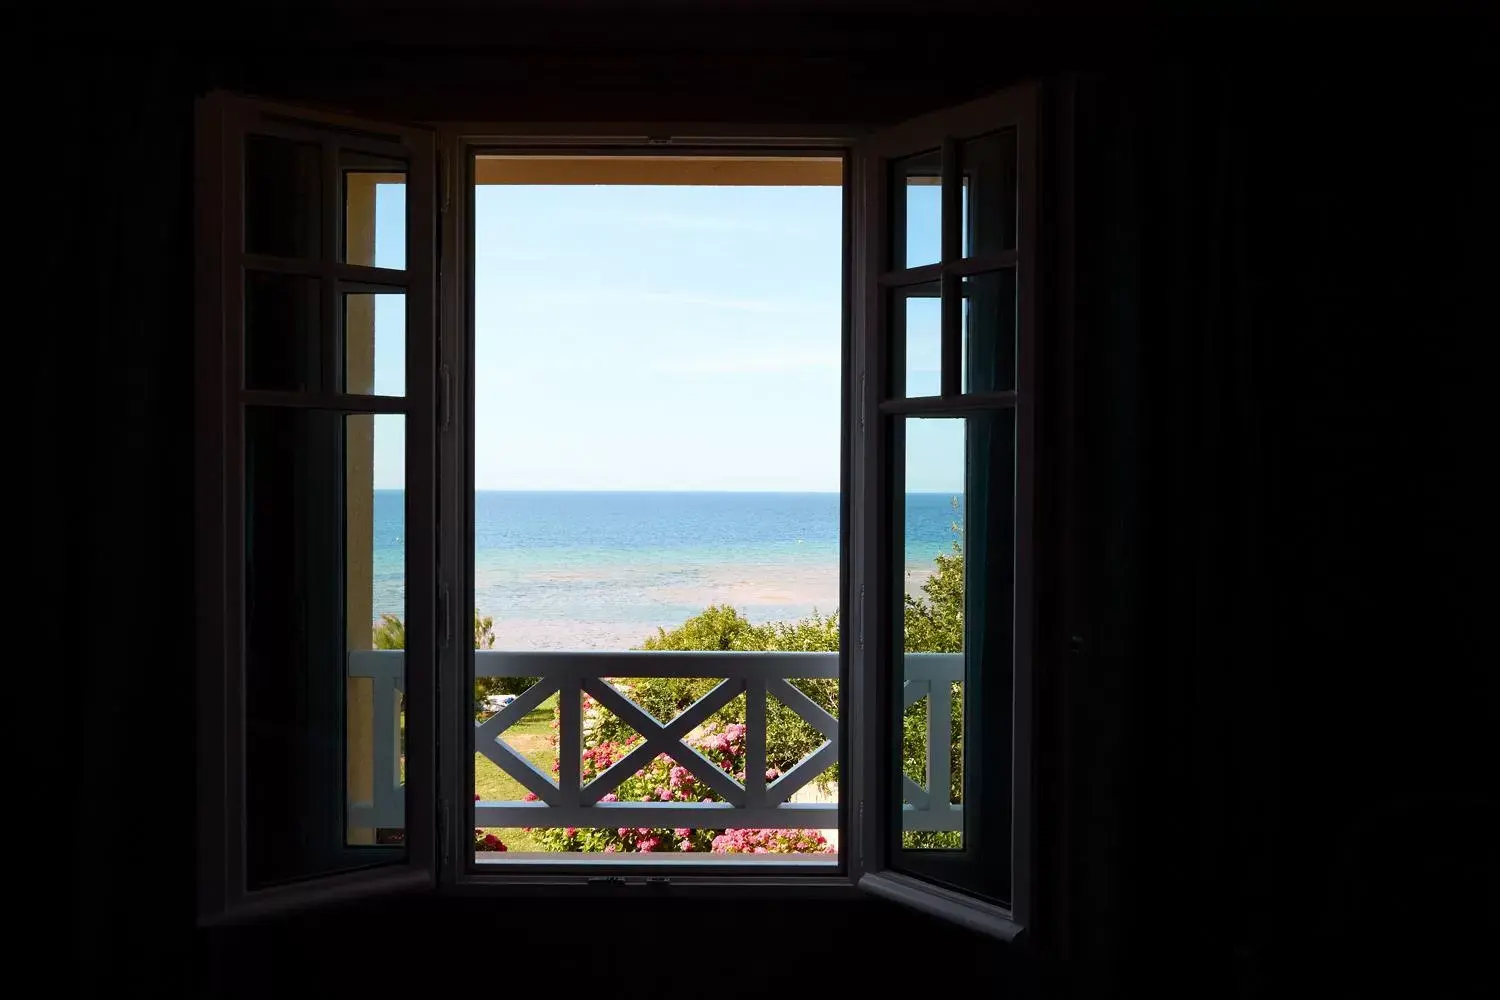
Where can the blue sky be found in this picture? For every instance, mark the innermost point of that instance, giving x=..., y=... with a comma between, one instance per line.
x=658, y=338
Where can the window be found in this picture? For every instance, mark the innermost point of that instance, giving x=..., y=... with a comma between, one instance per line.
x=338, y=508
x=945, y=358
x=656, y=508
x=317, y=281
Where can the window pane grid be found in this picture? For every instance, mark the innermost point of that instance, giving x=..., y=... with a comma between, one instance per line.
x=331, y=188
x=975, y=275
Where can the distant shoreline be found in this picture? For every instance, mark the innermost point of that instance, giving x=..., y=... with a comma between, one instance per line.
x=737, y=493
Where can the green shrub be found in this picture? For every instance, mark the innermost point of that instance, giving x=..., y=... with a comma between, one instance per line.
x=390, y=633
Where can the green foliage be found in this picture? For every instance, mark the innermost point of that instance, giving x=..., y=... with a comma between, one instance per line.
x=935, y=620
x=484, y=687
x=721, y=627
x=934, y=623
x=717, y=627
x=390, y=633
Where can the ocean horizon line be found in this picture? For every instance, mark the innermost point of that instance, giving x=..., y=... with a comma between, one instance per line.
x=662, y=492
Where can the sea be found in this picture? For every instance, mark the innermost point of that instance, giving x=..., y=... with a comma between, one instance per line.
x=605, y=570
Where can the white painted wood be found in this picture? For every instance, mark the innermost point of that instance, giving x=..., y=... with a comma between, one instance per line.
x=376, y=663
x=390, y=801
x=811, y=712
x=652, y=663
x=934, y=666
x=928, y=819
x=667, y=739
x=569, y=740
x=940, y=743
x=755, y=741
x=523, y=770
x=755, y=804
x=916, y=796
x=703, y=815
x=806, y=770
x=513, y=713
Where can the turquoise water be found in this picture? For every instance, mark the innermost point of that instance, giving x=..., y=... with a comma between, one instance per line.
x=604, y=570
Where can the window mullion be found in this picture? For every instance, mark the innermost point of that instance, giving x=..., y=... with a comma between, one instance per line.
x=329, y=332
x=951, y=315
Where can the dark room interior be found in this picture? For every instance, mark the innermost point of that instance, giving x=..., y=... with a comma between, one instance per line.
x=1258, y=765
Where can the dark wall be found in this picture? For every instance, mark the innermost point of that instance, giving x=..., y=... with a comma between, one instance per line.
x=1266, y=743
x=1278, y=735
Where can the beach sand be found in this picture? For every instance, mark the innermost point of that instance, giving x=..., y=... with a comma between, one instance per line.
x=761, y=594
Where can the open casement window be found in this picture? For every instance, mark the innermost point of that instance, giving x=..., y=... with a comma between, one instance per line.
x=317, y=425
x=943, y=319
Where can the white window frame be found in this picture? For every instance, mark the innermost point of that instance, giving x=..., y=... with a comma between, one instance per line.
x=443, y=854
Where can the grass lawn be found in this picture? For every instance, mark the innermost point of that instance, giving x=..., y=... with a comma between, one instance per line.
x=530, y=738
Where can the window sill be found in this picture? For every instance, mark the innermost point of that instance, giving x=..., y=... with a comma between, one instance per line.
x=945, y=904
x=644, y=885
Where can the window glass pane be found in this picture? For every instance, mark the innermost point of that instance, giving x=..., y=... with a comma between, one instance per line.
x=688, y=502
x=989, y=331
x=375, y=343
x=916, y=210
x=374, y=227
x=375, y=616
x=282, y=346
x=283, y=197
x=932, y=633
x=956, y=648
x=311, y=591
x=916, y=340
x=989, y=212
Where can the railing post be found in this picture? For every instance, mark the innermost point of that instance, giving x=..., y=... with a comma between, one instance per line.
x=389, y=806
x=569, y=739
x=755, y=742
x=940, y=746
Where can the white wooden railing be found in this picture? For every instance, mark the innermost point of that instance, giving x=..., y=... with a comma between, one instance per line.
x=755, y=803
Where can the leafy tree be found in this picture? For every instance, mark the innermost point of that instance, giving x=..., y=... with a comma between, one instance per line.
x=934, y=623
x=390, y=633
x=721, y=627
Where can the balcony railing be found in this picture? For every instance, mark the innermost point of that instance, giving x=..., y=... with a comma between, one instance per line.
x=570, y=802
